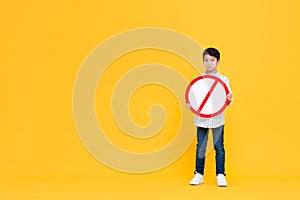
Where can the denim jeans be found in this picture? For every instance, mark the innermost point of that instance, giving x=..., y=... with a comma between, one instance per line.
x=218, y=138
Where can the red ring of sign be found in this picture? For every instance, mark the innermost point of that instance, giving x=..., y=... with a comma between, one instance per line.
x=217, y=80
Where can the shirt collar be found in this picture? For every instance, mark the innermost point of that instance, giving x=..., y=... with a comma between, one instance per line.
x=214, y=74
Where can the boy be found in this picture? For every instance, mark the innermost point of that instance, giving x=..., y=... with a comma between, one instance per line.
x=211, y=59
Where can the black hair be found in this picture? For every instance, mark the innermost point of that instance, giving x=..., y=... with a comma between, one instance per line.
x=212, y=52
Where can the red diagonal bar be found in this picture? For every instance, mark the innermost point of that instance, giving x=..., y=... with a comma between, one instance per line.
x=207, y=96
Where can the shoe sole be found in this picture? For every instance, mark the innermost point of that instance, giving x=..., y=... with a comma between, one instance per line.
x=196, y=183
x=222, y=185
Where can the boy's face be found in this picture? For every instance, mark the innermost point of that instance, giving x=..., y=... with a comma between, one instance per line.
x=210, y=63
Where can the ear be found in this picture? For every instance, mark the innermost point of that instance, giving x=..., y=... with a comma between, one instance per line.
x=218, y=62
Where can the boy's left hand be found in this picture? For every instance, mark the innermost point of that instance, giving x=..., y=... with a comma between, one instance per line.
x=229, y=97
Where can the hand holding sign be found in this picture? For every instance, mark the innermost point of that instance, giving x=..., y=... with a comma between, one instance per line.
x=207, y=96
x=229, y=97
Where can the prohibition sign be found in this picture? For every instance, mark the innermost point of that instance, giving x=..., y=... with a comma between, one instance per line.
x=206, y=95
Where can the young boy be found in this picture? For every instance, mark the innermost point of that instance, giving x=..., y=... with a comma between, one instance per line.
x=211, y=59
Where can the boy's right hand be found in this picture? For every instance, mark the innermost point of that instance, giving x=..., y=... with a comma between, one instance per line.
x=188, y=106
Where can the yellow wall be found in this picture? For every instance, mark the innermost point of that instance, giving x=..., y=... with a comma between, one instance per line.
x=44, y=43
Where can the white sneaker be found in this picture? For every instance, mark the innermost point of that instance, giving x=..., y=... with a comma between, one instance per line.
x=221, y=180
x=198, y=179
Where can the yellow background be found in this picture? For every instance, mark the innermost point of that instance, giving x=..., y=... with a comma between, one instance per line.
x=43, y=44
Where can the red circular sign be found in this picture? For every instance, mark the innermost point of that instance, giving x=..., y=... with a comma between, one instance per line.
x=222, y=97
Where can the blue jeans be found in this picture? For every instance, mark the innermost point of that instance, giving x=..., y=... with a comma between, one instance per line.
x=218, y=138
